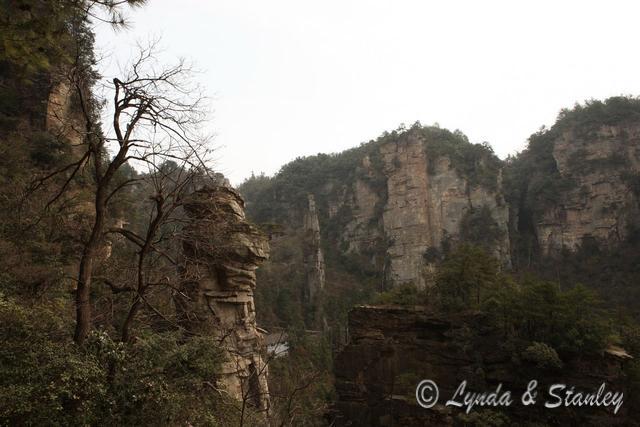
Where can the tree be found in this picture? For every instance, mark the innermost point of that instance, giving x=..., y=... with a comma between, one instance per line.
x=155, y=263
x=35, y=34
x=156, y=116
x=465, y=276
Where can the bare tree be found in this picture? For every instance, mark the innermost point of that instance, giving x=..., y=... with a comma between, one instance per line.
x=156, y=265
x=156, y=115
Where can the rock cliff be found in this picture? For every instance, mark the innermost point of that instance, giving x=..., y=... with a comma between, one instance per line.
x=421, y=207
x=313, y=256
x=577, y=181
x=391, y=349
x=601, y=203
x=392, y=206
x=427, y=200
x=390, y=203
x=221, y=253
x=388, y=211
x=63, y=118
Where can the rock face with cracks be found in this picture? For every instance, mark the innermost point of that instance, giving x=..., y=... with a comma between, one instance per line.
x=420, y=202
x=221, y=253
x=603, y=202
x=426, y=203
x=313, y=260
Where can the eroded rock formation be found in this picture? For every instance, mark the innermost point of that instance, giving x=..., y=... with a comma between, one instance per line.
x=418, y=202
x=314, y=265
x=426, y=205
x=63, y=118
x=221, y=253
x=392, y=349
x=313, y=257
x=601, y=201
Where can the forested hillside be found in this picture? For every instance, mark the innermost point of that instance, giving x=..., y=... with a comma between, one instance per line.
x=544, y=242
x=574, y=200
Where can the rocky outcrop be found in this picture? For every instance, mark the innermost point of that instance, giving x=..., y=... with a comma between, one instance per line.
x=393, y=206
x=391, y=349
x=420, y=206
x=425, y=206
x=63, y=118
x=313, y=257
x=601, y=202
x=221, y=253
x=385, y=207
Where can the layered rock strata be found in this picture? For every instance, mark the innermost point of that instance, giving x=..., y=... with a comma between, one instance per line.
x=221, y=253
x=391, y=349
x=425, y=206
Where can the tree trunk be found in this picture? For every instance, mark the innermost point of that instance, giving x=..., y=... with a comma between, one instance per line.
x=126, y=326
x=83, y=303
x=85, y=273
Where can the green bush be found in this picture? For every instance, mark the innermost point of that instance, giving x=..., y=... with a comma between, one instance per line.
x=465, y=278
x=46, y=379
x=480, y=228
x=407, y=294
x=571, y=321
x=542, y=355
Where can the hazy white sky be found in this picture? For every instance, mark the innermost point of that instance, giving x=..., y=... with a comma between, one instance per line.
x=293, y=78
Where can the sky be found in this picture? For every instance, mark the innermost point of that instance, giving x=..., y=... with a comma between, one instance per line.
x=290, y=78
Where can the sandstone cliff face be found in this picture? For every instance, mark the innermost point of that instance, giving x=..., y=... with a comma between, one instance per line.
x=313, y=257
x=421, y=206
x=601, y=203
x=424, y=207
x=222, y=251
x=391, y=349
x=63, y=119
x=388, y=205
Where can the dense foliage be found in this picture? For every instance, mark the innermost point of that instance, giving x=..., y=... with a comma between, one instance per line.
x=480, y=228
x=593, y=114
x=542, y=322
x=571, y=320
x=47, y=379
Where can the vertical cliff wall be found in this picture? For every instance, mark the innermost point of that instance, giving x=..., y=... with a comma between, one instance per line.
x=313, y=257
x=427, y=202
x=411, y=195
x=601, y=203
x=63, y=118
x=580, y=179
x=314, y=265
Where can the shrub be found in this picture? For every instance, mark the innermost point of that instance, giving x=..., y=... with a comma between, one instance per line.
x=401, y=295
x=542, y=355
x=46, y=379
